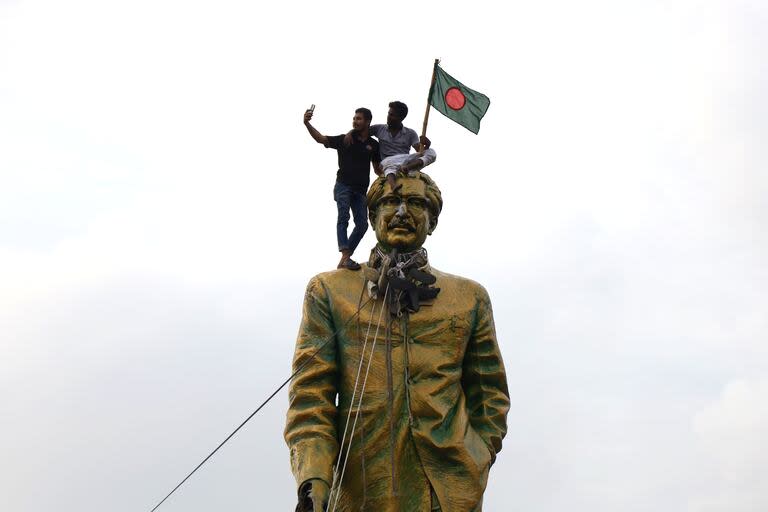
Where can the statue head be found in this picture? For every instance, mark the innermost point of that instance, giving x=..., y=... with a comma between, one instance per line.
x=405, y=217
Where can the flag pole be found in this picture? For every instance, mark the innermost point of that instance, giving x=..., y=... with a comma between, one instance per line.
x=426, y=113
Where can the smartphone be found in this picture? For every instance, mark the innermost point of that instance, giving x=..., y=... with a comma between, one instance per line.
x=312, y=108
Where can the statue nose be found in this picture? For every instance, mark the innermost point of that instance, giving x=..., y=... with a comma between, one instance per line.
x=401, y=211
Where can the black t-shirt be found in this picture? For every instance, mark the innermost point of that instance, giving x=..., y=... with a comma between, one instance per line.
x=355, y=160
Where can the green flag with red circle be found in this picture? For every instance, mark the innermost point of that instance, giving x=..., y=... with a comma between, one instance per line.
x=457, y=101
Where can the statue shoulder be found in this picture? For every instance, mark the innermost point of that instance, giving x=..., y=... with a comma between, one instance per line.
x=336, y=281
x=460, y=284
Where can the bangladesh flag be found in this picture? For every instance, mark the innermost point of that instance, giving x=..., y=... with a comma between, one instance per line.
x=457, y=101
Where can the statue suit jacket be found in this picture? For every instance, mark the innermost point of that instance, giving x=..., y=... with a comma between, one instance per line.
x=435, y=403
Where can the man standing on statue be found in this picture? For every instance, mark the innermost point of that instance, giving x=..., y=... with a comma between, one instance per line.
x=404, y=409
x=352, y=178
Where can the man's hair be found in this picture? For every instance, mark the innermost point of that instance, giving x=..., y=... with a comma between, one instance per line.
x=366, y=113
x=434, y=198
x=400, y=108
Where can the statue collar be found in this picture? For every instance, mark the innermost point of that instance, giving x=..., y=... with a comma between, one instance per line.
x=403, y=260
x=407, y=277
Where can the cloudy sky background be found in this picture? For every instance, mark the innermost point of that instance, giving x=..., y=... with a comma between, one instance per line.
x=162, y=207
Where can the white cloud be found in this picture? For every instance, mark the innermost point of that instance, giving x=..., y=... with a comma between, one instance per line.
x=732, y=434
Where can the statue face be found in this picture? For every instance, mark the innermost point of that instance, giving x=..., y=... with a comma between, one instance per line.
x=403, y=219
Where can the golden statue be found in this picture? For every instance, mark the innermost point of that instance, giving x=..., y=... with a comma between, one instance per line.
x=404, y=408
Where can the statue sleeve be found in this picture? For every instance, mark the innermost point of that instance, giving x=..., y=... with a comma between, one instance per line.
x=484, y=380
x=310, y=429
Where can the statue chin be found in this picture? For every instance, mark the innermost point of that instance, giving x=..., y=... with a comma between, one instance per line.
x=401, y=247
x=403, y=243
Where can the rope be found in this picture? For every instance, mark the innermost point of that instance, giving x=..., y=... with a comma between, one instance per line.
x=360, y=400
x=354, y=391
x=296, y=372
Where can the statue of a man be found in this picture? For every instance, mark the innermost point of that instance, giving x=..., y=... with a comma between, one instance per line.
x=434, y=400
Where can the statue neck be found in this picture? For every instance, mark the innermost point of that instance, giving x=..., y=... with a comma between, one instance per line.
x=417, y=258
x=408, y=274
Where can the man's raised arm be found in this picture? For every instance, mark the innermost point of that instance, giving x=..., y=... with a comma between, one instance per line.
x=319, y=137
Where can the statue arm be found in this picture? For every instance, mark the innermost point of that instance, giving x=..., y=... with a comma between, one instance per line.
x=310, y=430
x=484, y=380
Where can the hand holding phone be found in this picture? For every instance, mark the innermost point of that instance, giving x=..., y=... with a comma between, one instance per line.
x=308, y=113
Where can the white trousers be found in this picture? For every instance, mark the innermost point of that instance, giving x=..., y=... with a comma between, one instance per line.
x=392, y=163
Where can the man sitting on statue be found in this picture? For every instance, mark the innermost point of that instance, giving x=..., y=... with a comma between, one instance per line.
x=395, y=142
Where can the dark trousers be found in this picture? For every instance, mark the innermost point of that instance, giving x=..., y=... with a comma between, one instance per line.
x=347, y=197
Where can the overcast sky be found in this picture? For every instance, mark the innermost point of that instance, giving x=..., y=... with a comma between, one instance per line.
x=162, y=208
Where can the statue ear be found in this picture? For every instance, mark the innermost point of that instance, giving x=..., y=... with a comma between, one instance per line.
x=432, y=224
